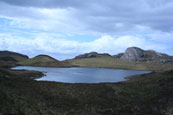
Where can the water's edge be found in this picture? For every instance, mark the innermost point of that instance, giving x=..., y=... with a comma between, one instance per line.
x=83, y=75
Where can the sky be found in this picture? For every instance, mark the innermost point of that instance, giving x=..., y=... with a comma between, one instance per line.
x=66, y=28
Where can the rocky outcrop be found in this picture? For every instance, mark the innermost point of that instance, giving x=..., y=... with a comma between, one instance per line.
x=91, y=55
x=118, y=55
x=132, y=54
x=135, y=54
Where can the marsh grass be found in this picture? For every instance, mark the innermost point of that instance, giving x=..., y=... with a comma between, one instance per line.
x=147, y=94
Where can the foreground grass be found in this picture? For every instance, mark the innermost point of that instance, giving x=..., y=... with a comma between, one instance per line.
x=147, y=94
x=110, y=62
x=21, y=74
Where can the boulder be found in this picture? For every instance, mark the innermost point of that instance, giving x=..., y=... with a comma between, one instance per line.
x=135, y=54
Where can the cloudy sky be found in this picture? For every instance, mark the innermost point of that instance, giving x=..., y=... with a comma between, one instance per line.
x=66, y=28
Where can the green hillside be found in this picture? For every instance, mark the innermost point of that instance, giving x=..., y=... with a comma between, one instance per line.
x=38, y=59
x=110, y=62
x=44, y=61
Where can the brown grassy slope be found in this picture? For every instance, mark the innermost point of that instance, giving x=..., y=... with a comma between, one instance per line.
x=110, y=62
x=44, y=61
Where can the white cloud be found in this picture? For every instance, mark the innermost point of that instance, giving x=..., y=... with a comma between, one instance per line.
x=61, y=47
x=142, y=23
x=166, y=37
x=57, y=20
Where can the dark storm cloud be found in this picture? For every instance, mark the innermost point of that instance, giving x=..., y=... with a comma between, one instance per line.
x=157, y=14
x=112, y=15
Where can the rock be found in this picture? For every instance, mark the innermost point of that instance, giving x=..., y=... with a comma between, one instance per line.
x=118, y=55
x=105, y=54
x=91, y=55
x=87, y=55
x=134, y=54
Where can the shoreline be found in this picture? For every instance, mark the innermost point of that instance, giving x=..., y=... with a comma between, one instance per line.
x=125, y=77
x=88, y=67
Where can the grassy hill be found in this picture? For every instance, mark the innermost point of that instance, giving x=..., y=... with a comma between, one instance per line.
x=44, y=61
x=10, y=59
x=110, y=62
x=12, y=56
x=38, y=59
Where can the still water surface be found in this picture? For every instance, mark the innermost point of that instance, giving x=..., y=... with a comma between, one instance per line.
x=82, y=75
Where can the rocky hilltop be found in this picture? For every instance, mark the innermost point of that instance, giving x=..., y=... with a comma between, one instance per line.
x=118, y=55
x=135, y=54
x=91, y=55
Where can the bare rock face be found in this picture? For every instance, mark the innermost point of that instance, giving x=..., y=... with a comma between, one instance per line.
x=91, y=55
x=134, y=54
